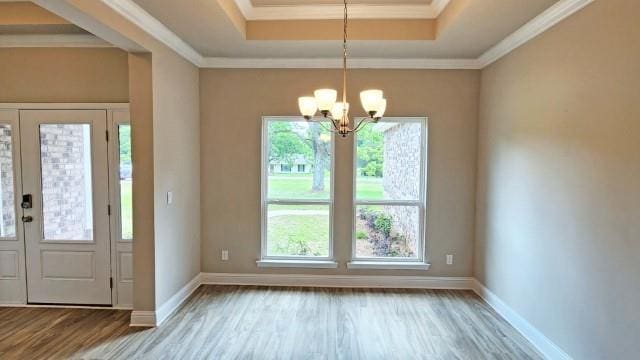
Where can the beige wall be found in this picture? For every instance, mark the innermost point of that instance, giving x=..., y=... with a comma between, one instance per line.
x=558, y=210
x=232, y=104
x=176, y=154
x=141, y=114
x=63, y=75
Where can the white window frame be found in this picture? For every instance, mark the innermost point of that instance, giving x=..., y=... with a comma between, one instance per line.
x=418, y=263
x=122, y=292
x=291, y=261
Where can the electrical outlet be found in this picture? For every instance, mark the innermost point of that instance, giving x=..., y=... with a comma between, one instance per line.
x=225, y=255
x=449, y=259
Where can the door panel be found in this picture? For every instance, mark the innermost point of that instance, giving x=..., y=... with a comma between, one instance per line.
x=12, y=268
x=65, y=169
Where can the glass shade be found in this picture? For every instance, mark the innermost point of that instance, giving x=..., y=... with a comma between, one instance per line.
x=325, y=98
x=381, y=109
x=308, y=105
x=371, y=100
x=338, y=110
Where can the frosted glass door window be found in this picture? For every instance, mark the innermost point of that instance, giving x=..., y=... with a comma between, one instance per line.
x=7, y=195
x=67, y=206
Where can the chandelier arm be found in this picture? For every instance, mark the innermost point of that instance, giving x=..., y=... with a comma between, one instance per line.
x=333, y=122
x=362, y=122
x=321, y=121
x=325, y=127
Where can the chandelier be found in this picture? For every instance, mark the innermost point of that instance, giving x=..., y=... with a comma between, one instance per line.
x=324, y=100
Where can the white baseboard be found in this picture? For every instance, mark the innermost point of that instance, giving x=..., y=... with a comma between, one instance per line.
x=156, y=318
x=143, y=318
x=61, y=306
x=542, y=343
x=349, y=281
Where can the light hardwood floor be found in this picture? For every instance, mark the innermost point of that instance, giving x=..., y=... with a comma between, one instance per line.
x=246, y=322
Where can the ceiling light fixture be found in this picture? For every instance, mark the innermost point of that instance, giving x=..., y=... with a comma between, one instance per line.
x=324, y=100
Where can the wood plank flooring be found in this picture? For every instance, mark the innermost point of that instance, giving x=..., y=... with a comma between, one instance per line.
x=247, y=322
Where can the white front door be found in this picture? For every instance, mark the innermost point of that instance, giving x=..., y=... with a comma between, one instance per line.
x=65, y=206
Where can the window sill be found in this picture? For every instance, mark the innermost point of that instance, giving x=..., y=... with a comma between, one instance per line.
x=388, y=265
x=312, y=264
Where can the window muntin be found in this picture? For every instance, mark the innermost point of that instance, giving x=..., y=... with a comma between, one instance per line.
x=390, y=190
x=297, y=205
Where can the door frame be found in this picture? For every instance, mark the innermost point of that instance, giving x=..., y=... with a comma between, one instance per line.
x=122, y=290
x=20, y=298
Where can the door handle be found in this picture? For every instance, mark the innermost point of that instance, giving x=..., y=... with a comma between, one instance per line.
x=27, y=219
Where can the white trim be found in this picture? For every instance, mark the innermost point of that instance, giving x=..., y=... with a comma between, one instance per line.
x=290, y=261
x=170, y=306
x=57, y=306
x=335, y=11
x=388, y=265
x=421, y=203
x=65, y=106
x=143, y=318
x=336, y=63
x=541, y=23
x=53, y=40
x=340, y=281
x=556, y=13
x=141, y=18
x=311, y=264
x=530, y=332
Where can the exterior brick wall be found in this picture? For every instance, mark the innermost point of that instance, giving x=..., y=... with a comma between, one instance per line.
x=401, y=180
x=67, y=215
x=6, y=183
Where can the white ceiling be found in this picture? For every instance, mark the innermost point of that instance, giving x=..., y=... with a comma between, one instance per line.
x=205, y=26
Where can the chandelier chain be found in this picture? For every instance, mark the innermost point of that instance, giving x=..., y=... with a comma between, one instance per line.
x=344, y=62
x=341, y=124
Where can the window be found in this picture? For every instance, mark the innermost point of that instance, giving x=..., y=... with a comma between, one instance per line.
x=296, y=206
x=390, y=190
x=125, y=172
x=67, y=201
x=285, y=168
x=301, y=168
x=7, y=194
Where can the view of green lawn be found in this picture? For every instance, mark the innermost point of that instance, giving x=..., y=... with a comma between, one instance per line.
x=298, y=186
x=304, y=230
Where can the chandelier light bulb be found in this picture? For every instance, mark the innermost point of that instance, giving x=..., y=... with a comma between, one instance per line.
x=381, y=109
x=371, y=100
x=308, y=106
x=338, y=110
x=325, y=98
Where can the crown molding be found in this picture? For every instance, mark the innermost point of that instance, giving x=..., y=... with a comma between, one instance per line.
x=356, y=11
x=547, y=19
x=541, y=23
x=336, y=63
x=141, y=18
x=54, y=40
